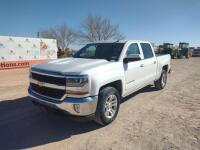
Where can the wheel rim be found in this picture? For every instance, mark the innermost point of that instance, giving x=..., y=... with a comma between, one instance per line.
x=111, y=106
x=164, y=79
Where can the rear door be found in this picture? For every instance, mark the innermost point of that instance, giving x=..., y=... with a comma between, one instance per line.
x=149, y=63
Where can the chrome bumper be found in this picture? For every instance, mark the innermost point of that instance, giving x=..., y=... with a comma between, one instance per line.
x=74, y=106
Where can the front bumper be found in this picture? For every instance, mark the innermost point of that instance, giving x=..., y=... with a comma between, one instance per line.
x=74, y=106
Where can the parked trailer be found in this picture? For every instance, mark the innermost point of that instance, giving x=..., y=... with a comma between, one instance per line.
x=196, y=52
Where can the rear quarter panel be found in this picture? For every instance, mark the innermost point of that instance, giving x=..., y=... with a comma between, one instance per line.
x=162, y=60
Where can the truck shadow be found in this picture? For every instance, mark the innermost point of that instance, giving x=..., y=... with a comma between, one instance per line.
x=23, y=125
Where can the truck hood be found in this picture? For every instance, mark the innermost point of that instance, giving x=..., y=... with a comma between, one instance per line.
x=71, y=65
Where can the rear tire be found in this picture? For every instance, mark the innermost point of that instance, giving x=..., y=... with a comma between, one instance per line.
x=161, y=82
x=108, y=106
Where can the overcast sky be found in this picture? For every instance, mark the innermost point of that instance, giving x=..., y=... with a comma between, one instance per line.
x=153, y=20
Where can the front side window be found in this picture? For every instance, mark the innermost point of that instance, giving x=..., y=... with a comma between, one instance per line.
x=147, y=50
x=108, y=51
x=133, y=49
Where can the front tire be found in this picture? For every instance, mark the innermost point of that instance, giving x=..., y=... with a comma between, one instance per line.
x=162, y=81
x=108, y=106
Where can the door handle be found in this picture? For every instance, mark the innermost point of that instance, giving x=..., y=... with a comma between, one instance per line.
x=142, y=65
x=154, y=62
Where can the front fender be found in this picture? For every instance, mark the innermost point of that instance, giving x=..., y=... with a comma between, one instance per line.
x=105, y=78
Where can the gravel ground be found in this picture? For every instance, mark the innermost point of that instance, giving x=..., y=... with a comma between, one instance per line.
x=148, y=119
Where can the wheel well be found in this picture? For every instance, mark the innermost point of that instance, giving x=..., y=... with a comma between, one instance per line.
x=116, y=84
x=165, y=68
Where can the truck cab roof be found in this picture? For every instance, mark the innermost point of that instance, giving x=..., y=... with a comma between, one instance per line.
x=121, y=41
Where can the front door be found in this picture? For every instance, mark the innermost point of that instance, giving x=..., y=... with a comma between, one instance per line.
x=134, y=71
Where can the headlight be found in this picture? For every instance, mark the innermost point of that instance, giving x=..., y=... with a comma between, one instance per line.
x=77, y=85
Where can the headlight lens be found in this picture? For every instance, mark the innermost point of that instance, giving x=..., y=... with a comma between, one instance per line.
x=77, y=85
x=76, y=81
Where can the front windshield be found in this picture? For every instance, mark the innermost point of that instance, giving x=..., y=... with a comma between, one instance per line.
x=184, y=45
x=108, y=51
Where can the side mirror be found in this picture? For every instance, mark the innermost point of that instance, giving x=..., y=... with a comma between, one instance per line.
x=132, y=57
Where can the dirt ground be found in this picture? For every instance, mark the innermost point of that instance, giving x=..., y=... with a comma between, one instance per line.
x=148, y=119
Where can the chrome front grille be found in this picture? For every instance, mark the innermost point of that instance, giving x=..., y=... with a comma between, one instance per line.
x=49, y=92
x=49, y=79
x=48, y=85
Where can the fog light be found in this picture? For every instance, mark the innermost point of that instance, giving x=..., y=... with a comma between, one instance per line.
x=77, y=108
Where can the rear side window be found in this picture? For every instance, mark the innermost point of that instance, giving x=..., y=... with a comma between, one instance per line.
x=147, y=50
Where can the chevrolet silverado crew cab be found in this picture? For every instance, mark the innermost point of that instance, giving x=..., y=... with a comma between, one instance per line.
x=97, y=77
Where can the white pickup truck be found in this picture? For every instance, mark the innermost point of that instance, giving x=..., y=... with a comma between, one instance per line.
x=97, y=77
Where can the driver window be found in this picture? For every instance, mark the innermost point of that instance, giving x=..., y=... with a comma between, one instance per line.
x=133, y=49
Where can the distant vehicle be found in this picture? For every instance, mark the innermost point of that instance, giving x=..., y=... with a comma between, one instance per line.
x=97, y=77
x=196, y=52
x=176, y=52
x=184, y=50
x=166, y=48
